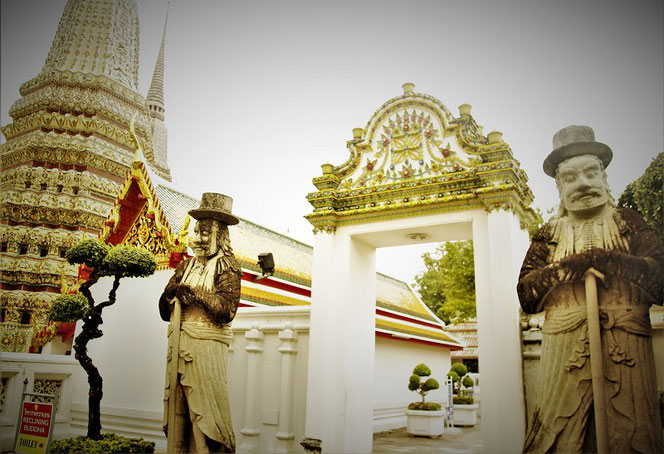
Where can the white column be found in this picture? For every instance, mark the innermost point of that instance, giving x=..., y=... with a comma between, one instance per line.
x=288, y=349
x=342, y=344
x=497, y=247
x=250, y=443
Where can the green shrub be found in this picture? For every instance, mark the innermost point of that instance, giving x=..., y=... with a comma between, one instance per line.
x=463, y=400
x=458, y=373
x=109, y=443
x=90, y=252
x=414, y=382
x=460, y=369
x=128, y=261
x=430, y=384
x=69, y=308
x=422, y=388
x=422, y=370
x=424, y=406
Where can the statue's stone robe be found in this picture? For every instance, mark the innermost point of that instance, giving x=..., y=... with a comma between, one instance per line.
x=563, y=420
x=204, y=340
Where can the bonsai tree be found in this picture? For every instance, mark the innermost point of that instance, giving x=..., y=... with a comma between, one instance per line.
x=416, y=384
x=103, y=260
x=459, y=375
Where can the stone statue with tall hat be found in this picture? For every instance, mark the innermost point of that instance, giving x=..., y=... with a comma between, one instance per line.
x=595, y=270
x=200, y=301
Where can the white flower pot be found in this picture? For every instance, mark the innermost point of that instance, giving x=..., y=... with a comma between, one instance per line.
x=425, y=423
x=465, y=415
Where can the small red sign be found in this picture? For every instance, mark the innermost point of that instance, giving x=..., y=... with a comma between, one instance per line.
x=36, y=419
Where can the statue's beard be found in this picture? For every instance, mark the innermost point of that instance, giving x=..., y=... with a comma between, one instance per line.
x=204, y=252
x=582, y=203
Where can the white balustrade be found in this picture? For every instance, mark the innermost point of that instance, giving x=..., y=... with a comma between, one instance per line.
x=251, y=431
x=288, y=350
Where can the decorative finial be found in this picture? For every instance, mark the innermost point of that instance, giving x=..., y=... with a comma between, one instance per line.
x=357, y=133
x=495, y=137
x=464, y=110
x=408, y=87
x=327, y=168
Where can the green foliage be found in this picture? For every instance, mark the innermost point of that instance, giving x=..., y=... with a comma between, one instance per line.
x=91, y=252
x=122, y=261
x=109, y=443
x=537, y=224
x=430, y=384
x=127, y=261
x=646, y=195
x=422, y=370
x=468, y=382
x=458, y=373
x=447, y=286
x=69, y=308
x=459, y=368
x=424, y=406
x=463, y=400
x=415, y=383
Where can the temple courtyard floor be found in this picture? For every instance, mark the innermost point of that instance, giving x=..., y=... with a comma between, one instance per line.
x=469, y=440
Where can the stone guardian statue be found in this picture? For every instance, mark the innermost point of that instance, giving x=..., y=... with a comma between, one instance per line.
x=597, y=363
x=200, y=301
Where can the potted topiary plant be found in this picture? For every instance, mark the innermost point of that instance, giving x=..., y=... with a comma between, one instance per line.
x=424, y=418
x=465, y=408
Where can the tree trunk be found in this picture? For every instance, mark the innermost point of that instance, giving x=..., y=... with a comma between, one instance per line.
x=91, y=331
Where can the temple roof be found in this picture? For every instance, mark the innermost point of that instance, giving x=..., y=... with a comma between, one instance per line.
x=467, y=333
x=400, y=312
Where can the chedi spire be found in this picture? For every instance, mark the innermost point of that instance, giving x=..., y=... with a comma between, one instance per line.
x=98, y=37
x=155, y=98
x=155, y=104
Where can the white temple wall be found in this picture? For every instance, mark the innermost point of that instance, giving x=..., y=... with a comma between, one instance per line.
x=268, y=372
x=394, y=363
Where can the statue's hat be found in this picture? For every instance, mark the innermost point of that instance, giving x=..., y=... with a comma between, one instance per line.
x=574, y=141
x=215, y=206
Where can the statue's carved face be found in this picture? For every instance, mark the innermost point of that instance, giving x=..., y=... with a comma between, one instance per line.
x=582, y=185
x=204, y=242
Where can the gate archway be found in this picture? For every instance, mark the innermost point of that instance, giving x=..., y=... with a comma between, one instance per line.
x=415, y=174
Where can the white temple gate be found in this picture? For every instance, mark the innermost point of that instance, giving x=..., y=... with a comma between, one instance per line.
x=415, y=174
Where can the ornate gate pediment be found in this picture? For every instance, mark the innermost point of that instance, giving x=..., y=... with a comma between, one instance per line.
x=415, y=158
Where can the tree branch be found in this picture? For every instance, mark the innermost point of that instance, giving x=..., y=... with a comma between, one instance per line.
x=111, y=295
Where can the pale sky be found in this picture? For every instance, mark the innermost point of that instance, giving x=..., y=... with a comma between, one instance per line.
x=260, y=94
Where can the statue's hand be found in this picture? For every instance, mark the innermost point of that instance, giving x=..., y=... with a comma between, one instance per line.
x=600, y=276
x=573, y=268
x=169, y=292
x=185, y=293
x=605, y=259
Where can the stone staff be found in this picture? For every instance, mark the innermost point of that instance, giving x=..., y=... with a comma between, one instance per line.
x=173, y=376
x=596, y=360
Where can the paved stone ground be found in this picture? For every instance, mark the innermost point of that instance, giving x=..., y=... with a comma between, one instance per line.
x=398, y=441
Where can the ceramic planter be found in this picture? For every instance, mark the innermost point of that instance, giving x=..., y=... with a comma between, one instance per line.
x=465, y=415
x=425, y=423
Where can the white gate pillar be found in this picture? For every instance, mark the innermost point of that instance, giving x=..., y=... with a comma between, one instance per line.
x=499, y=250
x=341, y=344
